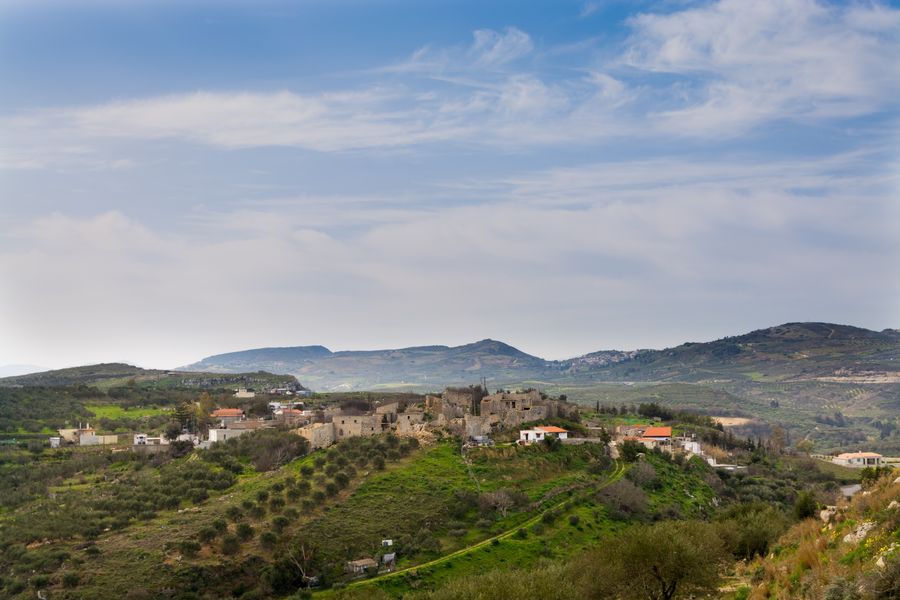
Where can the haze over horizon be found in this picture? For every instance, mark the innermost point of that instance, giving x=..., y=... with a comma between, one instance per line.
x=179, y=180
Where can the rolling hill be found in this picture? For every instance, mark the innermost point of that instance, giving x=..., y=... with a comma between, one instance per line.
x=106, y=375
x=786, y=353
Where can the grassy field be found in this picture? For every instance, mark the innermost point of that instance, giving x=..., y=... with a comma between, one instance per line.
x=571, y=523
x=114, y=411
x=576, y=523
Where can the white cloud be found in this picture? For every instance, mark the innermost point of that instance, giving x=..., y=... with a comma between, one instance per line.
x=560, y=257
x=738, y=65
x=494, y=49
x=752, y=62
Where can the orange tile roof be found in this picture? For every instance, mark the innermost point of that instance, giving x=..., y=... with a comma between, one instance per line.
x=228, y=412
x=552, y=429
x=658, y=432
x=859, y=455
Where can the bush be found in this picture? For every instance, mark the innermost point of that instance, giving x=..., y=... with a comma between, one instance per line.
x=219, y=525
x=244, y=531
x=805, y=506
x=234, y=513
x=231, y=544
x=644, y=475
x=207, y=534
x=574, y=520
x=262, y=496
x=70, y=580
x=267, y=539
x=623, y=499
x=521, y=534
x=279, y=523
x=629, y=450
x=189, y=548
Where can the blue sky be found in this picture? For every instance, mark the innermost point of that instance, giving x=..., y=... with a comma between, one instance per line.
x=184, y=178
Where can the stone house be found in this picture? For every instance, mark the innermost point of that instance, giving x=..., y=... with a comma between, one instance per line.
x=361, y=566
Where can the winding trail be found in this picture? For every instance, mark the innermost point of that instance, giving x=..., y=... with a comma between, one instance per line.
x=616, y=474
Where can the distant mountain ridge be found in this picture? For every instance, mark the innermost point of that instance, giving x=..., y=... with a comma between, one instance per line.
x=784, y=352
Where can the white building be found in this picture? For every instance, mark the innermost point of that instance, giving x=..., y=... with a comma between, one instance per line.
x=220, y=435
x=858, y=460
x=538, y=434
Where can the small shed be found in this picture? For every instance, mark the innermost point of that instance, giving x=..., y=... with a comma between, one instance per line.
x=361, y=566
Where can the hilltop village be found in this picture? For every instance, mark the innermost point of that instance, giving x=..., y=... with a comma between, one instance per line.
x=389, y=489
x=469, y=414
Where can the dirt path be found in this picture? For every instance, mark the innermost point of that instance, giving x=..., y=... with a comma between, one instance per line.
x=614, y=476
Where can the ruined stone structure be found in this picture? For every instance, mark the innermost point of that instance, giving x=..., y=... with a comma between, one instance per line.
x=409, y=422
x=469, y=412
x=319, y=435
x=348, y=426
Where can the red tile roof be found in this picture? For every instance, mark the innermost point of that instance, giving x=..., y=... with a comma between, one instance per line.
x=652, y=432
x=552, y=429
x=228, y=412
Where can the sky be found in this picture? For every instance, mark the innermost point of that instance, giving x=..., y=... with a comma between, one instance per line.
x=185, y=178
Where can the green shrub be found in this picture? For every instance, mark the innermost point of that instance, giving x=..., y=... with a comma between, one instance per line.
x=244, y=531
x=279, y=523
x=231, y=544
x=267, y=540
x=234, y=513
x=189, y=548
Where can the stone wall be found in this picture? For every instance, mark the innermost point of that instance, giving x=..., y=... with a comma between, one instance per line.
x=319, y=435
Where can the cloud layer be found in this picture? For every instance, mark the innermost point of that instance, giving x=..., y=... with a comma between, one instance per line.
x=737, y=65
x=699, y=170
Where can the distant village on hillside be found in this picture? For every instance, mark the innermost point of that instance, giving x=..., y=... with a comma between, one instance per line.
x=469, y=413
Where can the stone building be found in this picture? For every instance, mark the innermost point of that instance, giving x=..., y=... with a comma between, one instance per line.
x=319, y=435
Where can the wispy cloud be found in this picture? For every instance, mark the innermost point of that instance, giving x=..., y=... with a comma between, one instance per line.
x=493, y=49
x=737, y=65
x=746, y=63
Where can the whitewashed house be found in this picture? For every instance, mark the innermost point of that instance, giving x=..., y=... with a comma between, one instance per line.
x=538, y=434
x=859, y=460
